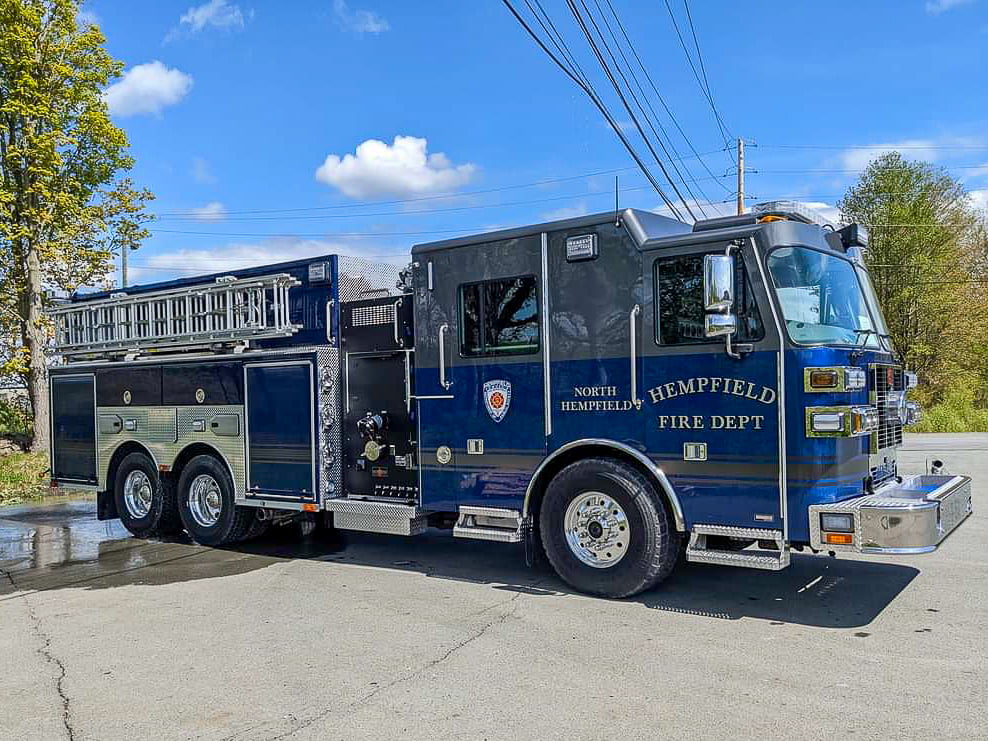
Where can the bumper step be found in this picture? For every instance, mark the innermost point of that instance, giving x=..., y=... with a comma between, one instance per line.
x=699, y=549
x=489, y=523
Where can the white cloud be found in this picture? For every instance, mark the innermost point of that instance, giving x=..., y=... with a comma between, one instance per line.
x=359, y=21
x=977, y=172
x=936, y=7
x=214, y=14
x=930, y=150
x=566, y=212
x=214, y=211
x=403, y=168
x=186, y=263
x=201, y=172
x=147, y=88
x=979, y=199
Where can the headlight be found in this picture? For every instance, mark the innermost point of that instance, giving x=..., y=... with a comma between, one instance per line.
x=837, y=522
x=833, y=379
x=841, y=421
x=914, y=413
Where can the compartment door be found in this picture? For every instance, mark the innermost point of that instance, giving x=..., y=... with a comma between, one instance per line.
x=280, y=449
x=73, y=428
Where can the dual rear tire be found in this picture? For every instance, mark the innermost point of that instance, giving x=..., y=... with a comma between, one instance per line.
x=202, y=503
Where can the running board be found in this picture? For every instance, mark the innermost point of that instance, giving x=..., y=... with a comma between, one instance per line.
x=489, y=523
x=377, y=517
x=770, y=560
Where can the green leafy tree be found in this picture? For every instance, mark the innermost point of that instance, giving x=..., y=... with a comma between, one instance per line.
x=65, y=208
x=922, y=230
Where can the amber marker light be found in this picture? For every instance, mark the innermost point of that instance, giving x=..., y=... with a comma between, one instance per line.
x=823, y=379
x=839, y=538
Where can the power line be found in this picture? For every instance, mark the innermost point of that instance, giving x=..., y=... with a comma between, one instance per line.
x=658, y=95
x=976, y=147
x=598, y=103
x=654, y=119
x=725, y=133
x=624, y=101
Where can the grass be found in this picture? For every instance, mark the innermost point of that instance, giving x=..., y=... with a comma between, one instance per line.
x=956, y=413
x=23, y=476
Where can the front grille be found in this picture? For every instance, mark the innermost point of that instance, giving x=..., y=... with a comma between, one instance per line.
x=884, y=383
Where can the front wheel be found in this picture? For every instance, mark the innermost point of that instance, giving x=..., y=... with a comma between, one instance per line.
x=606, y=529
x=207, y=505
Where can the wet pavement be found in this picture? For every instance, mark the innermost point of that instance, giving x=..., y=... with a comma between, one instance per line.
x=103, y=635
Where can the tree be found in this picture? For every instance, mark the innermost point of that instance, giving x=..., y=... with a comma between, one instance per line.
x=921, y=258
x=64, y=207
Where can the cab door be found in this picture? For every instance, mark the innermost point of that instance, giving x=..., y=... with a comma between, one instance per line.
x=712, y=420
x=479, y=377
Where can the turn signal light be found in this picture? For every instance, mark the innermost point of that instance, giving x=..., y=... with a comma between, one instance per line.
x=838, y=538
x=823, y=379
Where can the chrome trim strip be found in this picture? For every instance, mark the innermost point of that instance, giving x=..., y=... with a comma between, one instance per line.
x=546, y=367
x=649, y=464
x=780, y=365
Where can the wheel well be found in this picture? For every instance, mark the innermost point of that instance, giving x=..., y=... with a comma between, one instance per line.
x=191, y=451
x=125, y=449
x=595, y=450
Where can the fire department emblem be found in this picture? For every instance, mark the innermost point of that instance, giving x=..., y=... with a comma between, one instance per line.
x=497, y=398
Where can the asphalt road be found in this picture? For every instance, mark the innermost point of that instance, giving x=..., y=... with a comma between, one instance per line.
x=103, y=636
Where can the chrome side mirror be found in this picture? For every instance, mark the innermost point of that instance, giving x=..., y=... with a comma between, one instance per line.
x=718, y=283
x=718, y=299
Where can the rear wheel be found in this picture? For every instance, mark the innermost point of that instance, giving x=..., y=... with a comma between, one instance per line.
x=606, y=529
x=145, y=501
x=207, y=505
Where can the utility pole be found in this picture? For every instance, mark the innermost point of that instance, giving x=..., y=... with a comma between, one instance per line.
x=123, y=265
x=740, y=176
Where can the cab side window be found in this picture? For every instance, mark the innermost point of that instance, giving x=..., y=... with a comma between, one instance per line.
x=499, y=317
x=679, y=302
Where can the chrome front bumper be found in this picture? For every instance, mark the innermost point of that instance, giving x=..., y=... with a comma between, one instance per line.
x=913, y=516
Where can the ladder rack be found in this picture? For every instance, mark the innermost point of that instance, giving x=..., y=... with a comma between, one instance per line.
x=229, y=310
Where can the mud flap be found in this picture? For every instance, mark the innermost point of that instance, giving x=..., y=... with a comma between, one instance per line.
x=106, y=506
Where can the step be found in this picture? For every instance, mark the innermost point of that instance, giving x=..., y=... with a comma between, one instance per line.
x=698, y=552
x=377, y=517
x=489, y=523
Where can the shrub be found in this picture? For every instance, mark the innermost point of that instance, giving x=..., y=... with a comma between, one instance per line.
x=23, y=476
x=956, y=413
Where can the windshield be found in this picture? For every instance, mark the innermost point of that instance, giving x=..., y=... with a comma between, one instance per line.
x=821, y=298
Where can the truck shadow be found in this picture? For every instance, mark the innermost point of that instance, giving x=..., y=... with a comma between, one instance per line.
x=61, y=545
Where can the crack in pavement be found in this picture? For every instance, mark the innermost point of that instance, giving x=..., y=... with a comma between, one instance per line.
x=359, y=702
x=45, y=652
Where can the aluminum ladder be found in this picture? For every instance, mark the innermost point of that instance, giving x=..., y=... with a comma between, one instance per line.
x=229, y=310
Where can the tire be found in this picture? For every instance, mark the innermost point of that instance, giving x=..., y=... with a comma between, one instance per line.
x=206, y=504
x=145, y=500
x=621, y=539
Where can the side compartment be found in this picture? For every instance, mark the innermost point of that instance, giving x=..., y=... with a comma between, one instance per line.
x=73, y=428
x=280, y=430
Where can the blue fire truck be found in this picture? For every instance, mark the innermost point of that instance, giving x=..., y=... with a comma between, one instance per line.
x=622, y=391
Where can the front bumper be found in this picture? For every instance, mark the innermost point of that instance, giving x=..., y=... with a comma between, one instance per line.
x=913, y=516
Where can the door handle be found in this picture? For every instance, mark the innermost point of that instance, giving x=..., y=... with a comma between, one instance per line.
x=330, y=305
x=633, y=342
x=443, y=381
x=397, y=306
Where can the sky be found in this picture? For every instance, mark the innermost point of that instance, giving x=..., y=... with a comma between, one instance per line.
x=278, y=130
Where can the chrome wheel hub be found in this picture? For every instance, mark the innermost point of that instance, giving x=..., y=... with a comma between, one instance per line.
x=597, y=530
x=205, y=500
x=138, y=494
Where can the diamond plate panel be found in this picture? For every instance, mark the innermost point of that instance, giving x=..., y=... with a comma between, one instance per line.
x=165, y=451
x=359, y=279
